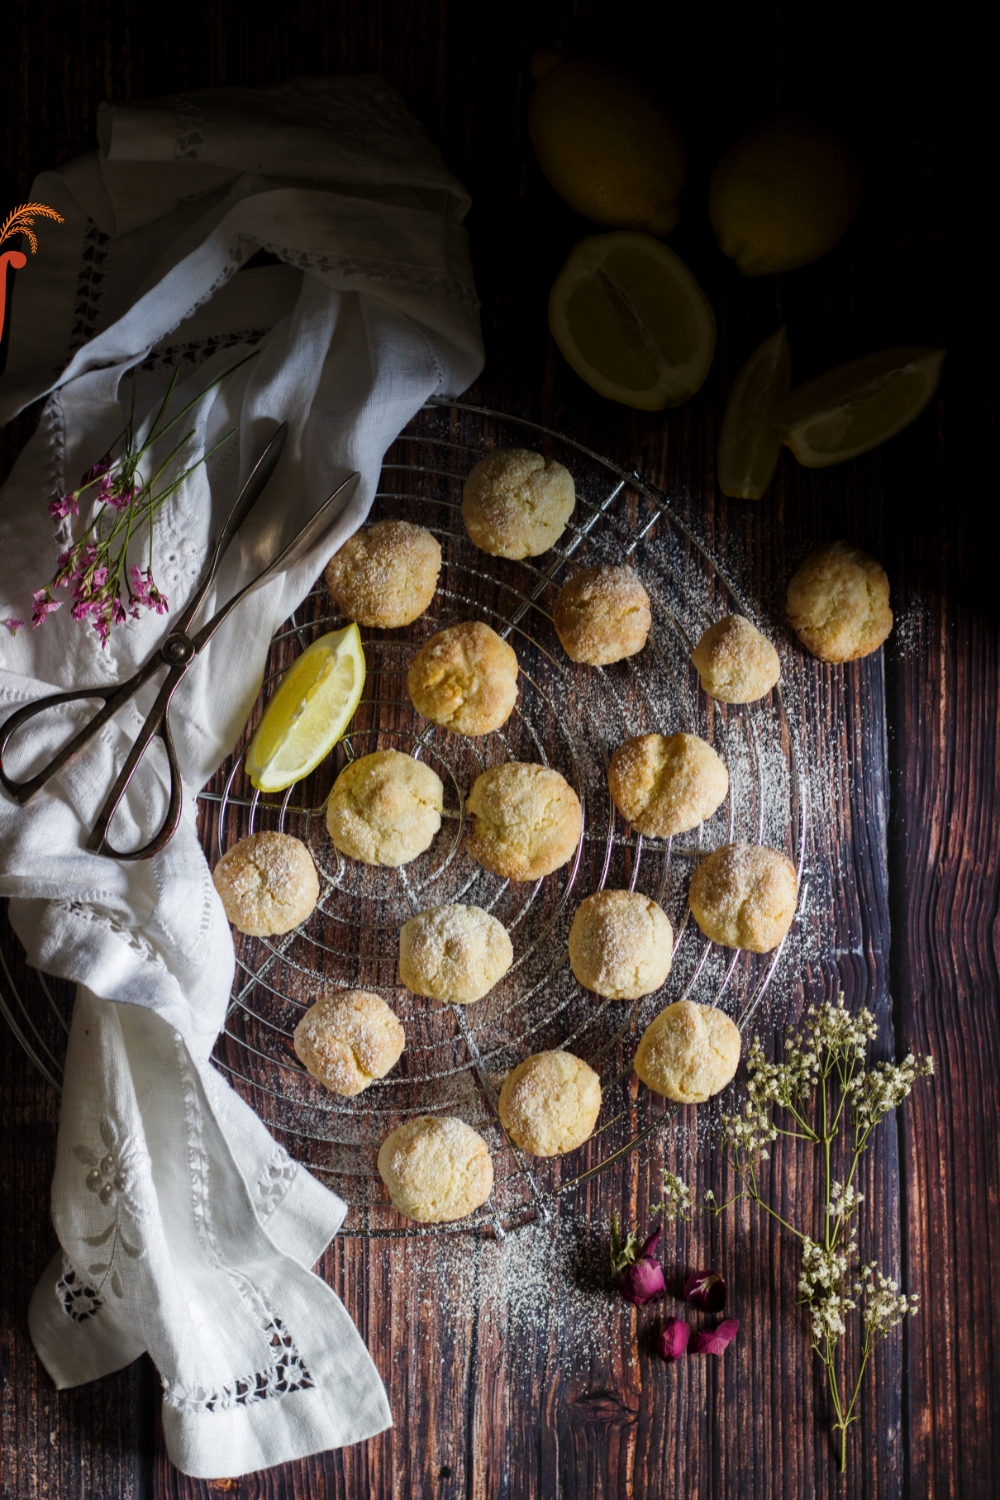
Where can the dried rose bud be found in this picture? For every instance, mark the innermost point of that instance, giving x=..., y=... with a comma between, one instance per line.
x=638, y=1275
x=716, y=1340
x=644, y=1282
x=706, y=1289
x=672, y=1339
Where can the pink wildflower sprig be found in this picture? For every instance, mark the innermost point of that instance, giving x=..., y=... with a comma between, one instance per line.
x=106, y=589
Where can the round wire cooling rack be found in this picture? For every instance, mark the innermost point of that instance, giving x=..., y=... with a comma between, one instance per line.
x=568, y=716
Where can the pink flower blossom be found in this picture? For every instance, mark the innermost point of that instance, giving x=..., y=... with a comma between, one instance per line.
x=97, y=471
x=715, y=1340
x=66, y=505
x=12, y=625
x=143, y=591
x=43, y=604
x=117, y=499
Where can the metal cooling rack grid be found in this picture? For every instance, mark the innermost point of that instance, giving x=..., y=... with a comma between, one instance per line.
x=566, y=715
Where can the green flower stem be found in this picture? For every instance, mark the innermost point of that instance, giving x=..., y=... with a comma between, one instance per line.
x=829, y=1053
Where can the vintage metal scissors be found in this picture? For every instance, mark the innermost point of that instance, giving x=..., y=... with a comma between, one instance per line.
x=178, y=651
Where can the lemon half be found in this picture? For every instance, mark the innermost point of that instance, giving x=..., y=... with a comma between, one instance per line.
x=310, y=711
x=748, y=444
x=632, y=321
x=858, y=405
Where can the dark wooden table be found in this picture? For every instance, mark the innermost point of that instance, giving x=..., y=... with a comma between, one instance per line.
x=906, y=841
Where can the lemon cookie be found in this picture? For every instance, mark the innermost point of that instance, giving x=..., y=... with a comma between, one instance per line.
x=385, y=808
x=436, y=1169
x=550, y=1102
x=620, y=944
x=385, y=576
x=667, y=784
x=528, y=820
x=688, y=1052
x=735, y=662
x=515, y=503
x=744, y=896
x=268, y=884
x=838, y=603
x=348, y=1040
x=602, y=615
x=454, y=953
x=464, y=678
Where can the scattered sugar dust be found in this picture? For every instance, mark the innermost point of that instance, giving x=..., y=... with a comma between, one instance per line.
x=544, y=1287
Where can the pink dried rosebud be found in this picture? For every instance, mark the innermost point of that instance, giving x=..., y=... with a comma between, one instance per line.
x=644, y=1282
x=672, y=1339
x=638, y=1275
x=714, y=1341
x=706, y=1289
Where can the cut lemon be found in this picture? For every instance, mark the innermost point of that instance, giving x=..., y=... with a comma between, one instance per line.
x=859, y=405
x=632, y=321
x=310, y=711
x=748, y=444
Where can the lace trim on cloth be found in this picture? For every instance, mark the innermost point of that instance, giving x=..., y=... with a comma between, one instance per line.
x=287, y=1371
x=79, y=1301
x=89, y=286
x=197, y=351
x=53, y=423
x=189, y=129
x=112, y=921
x=387, y=272
x=274, y=1181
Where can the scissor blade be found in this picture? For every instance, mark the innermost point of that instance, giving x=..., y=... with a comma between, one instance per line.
x=252, y=490
x=243, y=504
x=329, y=512
x=301, y=544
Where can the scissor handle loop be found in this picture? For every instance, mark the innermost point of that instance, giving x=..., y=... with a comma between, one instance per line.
x=155, y=726
x=22, y=791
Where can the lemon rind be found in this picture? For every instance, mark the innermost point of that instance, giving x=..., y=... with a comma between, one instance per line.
x=775, y=346
x=257, y=778
x=792, y=431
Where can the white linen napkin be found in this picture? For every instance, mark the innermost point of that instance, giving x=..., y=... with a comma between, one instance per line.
x=184, y=1229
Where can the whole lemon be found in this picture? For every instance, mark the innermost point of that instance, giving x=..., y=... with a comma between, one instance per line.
x=607, y=145
x=783, y=194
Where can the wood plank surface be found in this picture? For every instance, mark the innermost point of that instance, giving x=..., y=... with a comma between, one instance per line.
x=511, y=1374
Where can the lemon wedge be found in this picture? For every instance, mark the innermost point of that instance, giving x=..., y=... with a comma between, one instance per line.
x=859, y=405
x=310, y=711
x=748, y=444
x=632, y=321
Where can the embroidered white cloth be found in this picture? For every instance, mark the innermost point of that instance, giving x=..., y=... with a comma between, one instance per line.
x=185, y=1230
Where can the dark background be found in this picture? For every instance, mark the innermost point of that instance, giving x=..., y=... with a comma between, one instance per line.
x=910, y=833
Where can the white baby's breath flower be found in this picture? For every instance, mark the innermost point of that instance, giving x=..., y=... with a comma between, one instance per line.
x=677, y=1203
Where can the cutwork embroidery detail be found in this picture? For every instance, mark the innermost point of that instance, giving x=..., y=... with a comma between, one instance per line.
x=79, y=1301
x=288, y=1373
x=274, y=1182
